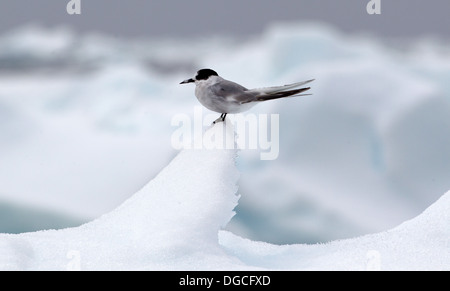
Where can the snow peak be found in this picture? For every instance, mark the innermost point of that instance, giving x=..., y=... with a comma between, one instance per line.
x=192, y=281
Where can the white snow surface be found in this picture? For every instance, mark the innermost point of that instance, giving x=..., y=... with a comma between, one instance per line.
x=175, y=222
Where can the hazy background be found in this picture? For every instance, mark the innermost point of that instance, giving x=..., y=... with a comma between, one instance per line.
x=86, y=103
x=177, y=18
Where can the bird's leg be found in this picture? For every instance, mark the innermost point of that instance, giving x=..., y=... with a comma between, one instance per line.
x=221, y=118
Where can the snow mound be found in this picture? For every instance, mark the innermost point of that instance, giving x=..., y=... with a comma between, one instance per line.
x=175, y=223
x=418, y=244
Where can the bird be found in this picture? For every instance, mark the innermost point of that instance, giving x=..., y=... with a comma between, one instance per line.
x=224, y=96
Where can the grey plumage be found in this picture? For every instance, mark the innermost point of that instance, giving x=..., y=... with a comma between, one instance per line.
x=223, y=96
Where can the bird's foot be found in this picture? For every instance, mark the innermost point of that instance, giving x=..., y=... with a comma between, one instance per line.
x=220, y=119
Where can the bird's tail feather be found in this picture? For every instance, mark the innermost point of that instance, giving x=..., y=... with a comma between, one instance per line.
x=282, y=94
x=270, y=90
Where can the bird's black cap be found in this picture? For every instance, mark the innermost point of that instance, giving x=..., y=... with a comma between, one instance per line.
x=204, y=74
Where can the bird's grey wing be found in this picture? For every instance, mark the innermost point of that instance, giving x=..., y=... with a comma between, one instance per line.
x=232, y=92
x=276, y=89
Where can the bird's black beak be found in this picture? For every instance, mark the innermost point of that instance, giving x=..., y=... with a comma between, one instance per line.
x=188, y=81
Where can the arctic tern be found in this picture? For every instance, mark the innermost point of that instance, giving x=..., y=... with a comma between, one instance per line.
x=223, y=96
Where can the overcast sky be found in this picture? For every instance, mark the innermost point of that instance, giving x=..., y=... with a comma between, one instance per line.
x=148, y=18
